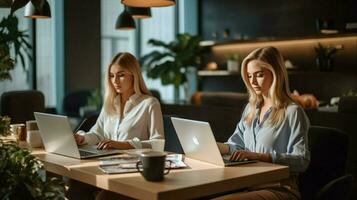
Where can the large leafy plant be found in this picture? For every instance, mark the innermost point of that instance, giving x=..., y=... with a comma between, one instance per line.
x=324, y=56
x=171, y=61
x=11, y=36
x=21, y=174
x=325, y=52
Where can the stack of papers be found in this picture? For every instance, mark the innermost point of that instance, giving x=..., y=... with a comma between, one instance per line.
x=127, y=163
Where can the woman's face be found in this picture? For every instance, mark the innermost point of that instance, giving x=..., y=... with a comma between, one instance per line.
x=260, y=78
x=121, y=79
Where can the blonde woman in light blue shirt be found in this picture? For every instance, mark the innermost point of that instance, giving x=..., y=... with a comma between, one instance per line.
x=272, y=129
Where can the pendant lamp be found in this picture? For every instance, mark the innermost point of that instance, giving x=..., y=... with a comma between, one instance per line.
x=139, y=12
x=125, y=21
x=32, y=12
x=148, y=3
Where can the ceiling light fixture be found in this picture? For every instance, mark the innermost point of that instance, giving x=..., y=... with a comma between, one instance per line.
x=125, y=21
x=32, y=12
x=139, y=12
x=149, y=3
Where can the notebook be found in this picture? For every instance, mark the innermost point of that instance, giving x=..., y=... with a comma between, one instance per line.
x=58, y=138
x=198, y=142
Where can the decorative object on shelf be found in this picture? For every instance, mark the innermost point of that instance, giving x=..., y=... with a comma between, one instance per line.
x=125, y=21
x=233, y=62
x=151, y=3
x=11, y=36
x=212, y=66
x=22, y=176
x=171, y=64
x=325, y=57
x=43, y=12
x=139, y=12
x=326, y=26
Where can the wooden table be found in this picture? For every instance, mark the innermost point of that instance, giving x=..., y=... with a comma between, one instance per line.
x=199, y=180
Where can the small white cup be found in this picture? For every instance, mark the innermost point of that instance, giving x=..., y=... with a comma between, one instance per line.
x=34, y=138
x=157, y=144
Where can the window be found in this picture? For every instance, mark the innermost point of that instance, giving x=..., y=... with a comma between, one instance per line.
x=160, y=26
x=20, y=78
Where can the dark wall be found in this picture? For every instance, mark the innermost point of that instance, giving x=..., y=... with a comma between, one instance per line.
x=82, y=44
x=248, y=19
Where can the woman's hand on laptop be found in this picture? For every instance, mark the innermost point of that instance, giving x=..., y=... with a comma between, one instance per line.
x=110, y=144
x=79, y=139
x=242, y=155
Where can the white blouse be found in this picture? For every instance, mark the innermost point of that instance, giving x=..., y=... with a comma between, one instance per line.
x=141, y=122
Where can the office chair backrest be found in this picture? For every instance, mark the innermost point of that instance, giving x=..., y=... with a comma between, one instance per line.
x=74, y=100
x=348, y=104
x=87, y=122
x=338, y=188
x=172, y=143
x=328, y=148
x=20, y=105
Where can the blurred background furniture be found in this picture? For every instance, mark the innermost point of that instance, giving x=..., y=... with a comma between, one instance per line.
x=348, y=104
x=156, y=94
x=328, y=148
x=20, y=105
x=74, y=100
x=172, y=143
x=339, y=188
x=87, y=122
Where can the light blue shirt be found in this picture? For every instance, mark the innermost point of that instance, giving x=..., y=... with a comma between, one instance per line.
x=286, y=143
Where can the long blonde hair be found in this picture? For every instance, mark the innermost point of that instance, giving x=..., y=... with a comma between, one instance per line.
x=279, y=91
x=129, y=62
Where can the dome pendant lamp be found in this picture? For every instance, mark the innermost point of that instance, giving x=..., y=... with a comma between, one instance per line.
x=149, y=3
x=139, y=12
x=125, y=21
x=32, y=12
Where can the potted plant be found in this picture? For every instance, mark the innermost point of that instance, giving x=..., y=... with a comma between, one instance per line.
x=233, y=62
x=21, y=174
x=324, y=57
x=172, y=63
x=12, y=37
x=94, y=102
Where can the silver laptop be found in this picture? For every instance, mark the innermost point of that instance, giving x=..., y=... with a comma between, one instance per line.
x=198, y=142
x=58, y=138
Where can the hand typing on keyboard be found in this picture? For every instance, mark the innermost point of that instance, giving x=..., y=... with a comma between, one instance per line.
x=110, y=144
x=242, y=155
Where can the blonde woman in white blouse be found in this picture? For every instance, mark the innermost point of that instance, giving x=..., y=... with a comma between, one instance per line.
x=130, y=117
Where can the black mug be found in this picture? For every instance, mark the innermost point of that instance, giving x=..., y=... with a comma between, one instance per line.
x=153, y=165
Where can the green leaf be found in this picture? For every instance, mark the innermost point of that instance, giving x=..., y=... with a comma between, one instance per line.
x=166, y=63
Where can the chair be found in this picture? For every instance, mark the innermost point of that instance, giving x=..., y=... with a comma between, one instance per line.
x=87, y=122
x=347, y=104
x=172, y=143
x=328, y=148
x=20, y=105
x=73, y=101
x=156, y=94
x=338, y=188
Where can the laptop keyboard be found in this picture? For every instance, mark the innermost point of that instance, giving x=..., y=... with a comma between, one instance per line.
x=86, y=153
